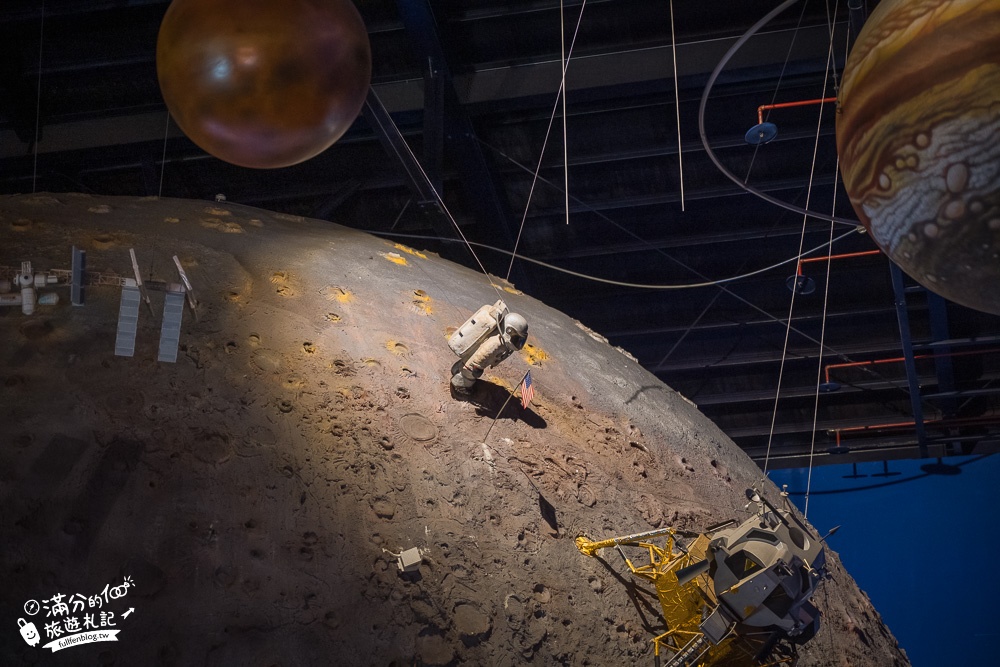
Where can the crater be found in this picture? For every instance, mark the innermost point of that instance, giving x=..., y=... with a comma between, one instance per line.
x=418, y=427
x=35, y=329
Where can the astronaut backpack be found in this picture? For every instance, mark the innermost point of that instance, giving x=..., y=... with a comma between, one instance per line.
x=475, y=329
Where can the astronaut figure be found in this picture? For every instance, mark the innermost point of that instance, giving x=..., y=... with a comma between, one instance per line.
x=508, y=336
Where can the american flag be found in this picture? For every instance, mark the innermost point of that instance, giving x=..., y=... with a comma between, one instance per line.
x=527, y=390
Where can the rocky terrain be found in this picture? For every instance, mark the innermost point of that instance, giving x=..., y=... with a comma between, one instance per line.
x=257, y=492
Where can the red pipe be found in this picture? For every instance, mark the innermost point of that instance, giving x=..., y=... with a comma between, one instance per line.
x=846, y=255
x=785, y=105
x=873, y=362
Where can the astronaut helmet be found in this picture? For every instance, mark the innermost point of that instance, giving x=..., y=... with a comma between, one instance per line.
x=515, y=330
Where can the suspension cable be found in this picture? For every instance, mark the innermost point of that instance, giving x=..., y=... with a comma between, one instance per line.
x=704, y=137
x=677, y=103
x=618, y=283
x=437, y=198
x=545, y=142
x=802, y=237
x=777, y=86
x=38, y=101
x=163, y=159
x=562, y=86
x=826, y=287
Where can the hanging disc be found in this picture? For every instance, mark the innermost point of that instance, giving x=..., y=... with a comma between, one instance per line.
x=801, y=284
x=761, y=133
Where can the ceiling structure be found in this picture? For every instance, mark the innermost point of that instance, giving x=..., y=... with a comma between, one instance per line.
x=472, y=88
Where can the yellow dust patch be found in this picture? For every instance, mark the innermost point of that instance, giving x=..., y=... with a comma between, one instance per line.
x=396, y=347
x=422, y=302
x=20, y=225
x=221, y=225
x=410, y=251
x=254, y=222
x=282, y=280
x=102, y=208
x=335, y=293
x=394, y=258
x=172, y=220
x=512, y=290
x=211, y=210
x=534, y=355
x=104, y=240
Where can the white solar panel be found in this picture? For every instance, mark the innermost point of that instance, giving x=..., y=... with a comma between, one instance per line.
x=170, y=331
x=128, y=320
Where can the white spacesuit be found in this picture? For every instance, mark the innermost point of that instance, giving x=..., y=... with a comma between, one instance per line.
x=507, y=337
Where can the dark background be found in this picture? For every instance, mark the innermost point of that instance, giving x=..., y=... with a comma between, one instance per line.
x=472, y=88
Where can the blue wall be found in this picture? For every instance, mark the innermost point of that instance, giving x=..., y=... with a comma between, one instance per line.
x=922, y=546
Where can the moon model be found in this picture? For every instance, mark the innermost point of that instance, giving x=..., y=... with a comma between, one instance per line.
x=263, y=83
x=918, y=133
x=261, y=491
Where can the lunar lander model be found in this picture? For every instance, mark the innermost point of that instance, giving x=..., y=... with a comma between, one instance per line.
x=734, y=595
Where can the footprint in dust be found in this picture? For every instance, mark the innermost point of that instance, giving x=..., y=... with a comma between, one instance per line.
x=282, y=283
x=211, y=447
x=309, y=540
x=384, y=508
x=397, y=348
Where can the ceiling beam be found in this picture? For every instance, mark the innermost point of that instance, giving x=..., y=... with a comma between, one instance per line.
x=482, y=88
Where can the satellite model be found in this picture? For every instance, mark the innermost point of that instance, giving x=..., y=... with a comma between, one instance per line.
x=735, y=595
x=22, y=290
x=134, y=291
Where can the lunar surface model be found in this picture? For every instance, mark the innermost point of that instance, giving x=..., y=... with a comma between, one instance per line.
x=300, y=487
x=918, y=132
x=261, y=83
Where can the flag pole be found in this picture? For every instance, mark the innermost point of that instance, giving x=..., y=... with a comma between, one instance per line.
x=510, y=396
